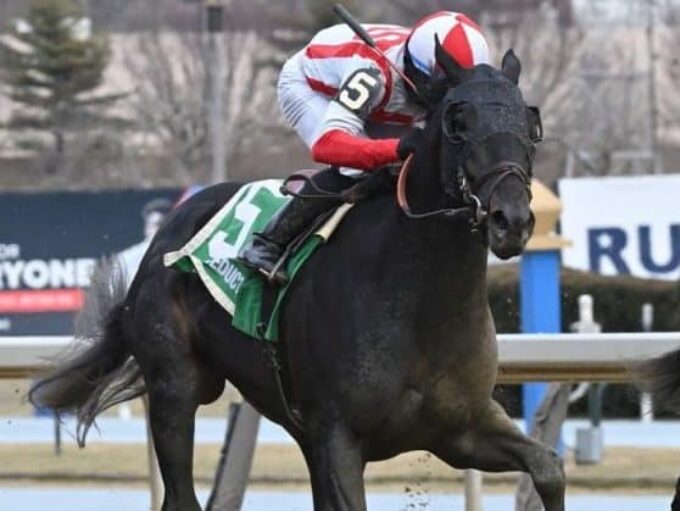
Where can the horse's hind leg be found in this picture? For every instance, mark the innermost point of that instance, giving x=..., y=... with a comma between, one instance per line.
x=497, y=445
x=172, y=418
x=176, y=383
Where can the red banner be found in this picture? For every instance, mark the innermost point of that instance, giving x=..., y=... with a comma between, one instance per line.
x=42, y=300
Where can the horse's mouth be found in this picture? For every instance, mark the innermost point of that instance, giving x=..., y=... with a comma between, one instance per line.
x=507, y=238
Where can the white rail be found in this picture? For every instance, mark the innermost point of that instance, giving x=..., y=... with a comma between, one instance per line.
x=522, y=357
x=578, y=357
x=21, y=356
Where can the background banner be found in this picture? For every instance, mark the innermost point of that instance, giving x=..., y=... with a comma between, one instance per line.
x=50, y=242
x=623, y=225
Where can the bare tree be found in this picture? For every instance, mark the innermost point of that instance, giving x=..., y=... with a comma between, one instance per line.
x=292, y=24
x=611, y=116
x=668, y=63
x=549, y=45
x=171, y=86
x=548, y=51
x=407, y=12
x=176, y=15
x=608, y=116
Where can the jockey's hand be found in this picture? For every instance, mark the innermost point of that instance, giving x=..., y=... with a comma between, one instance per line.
x=409, y=142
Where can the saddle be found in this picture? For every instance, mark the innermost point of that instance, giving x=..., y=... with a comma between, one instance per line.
x=378, y=182
x=302, y=185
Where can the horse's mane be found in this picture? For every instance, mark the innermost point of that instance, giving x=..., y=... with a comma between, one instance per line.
x=435, y=92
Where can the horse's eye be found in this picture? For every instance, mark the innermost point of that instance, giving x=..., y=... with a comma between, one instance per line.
x=535, y=124
x=453, y=121
x=457, y=138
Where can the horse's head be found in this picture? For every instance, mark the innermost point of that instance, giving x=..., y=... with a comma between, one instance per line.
x=486, y=148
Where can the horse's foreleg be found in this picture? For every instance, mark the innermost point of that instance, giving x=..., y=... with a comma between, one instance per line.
x=336, y=466
x=497, y=445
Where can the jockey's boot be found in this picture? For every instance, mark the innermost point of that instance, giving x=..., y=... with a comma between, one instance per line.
x=266, y=248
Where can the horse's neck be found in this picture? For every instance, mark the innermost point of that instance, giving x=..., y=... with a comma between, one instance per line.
x=447, y=261
x=435, y=281
x=452, y=259
x=424, y=183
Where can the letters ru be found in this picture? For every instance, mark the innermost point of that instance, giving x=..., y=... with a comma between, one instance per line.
x=610, y=244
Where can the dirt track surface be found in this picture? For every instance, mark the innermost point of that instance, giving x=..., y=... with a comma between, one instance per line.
x=629, y=469
x=282, y=465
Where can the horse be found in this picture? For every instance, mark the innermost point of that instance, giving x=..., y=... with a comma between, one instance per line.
x=660, y=376
x=387, y=342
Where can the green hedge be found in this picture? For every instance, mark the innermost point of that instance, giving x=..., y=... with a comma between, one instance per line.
x=618, y=300
x=617, y=307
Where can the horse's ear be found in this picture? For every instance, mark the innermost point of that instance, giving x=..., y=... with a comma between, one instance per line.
x=454, y=71
x=511, y=66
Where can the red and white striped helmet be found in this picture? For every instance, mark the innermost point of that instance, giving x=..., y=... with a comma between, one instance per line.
x=459, y=35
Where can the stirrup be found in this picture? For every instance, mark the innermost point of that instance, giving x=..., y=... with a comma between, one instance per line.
x=275, y=276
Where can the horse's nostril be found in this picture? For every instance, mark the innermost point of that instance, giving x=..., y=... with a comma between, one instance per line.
x=500, y=221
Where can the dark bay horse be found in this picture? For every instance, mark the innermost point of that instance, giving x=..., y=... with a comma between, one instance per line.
x=387, y=337
x=661, y=377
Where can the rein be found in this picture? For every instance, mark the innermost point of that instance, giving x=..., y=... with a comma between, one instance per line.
x=402, y=199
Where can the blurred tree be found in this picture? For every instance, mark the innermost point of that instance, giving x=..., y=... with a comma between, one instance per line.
x=668, y=63
x=171, y=74
x=176, y=15
x=51, y=65
x=171, y=71
x=408, y=12
x=618, y=299
x=548, y=48
x=294, y=23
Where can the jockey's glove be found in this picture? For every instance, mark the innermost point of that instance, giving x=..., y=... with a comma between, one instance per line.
x=409, y=142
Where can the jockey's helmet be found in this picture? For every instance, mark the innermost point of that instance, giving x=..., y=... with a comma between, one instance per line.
x=459, y=36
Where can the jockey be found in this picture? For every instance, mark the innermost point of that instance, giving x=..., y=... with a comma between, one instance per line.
x=355, y=113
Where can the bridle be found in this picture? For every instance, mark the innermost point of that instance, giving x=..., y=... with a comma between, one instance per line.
x=473, y=209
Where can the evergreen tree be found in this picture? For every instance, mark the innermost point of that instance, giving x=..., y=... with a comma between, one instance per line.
x=50, y=65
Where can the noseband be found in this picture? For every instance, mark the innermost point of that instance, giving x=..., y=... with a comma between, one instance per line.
x=491, y=179
x=474, y=210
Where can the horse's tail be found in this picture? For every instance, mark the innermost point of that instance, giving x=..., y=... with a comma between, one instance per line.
x=661, y=377
x=97, y=371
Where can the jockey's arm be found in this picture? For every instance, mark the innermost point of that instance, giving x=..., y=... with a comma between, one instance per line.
x=342, y=140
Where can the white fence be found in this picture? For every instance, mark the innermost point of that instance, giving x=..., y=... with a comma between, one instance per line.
x=22, y=356
x=522, y=357
x=578, y=357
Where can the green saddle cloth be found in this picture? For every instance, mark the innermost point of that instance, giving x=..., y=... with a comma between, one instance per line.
x=212, y=253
